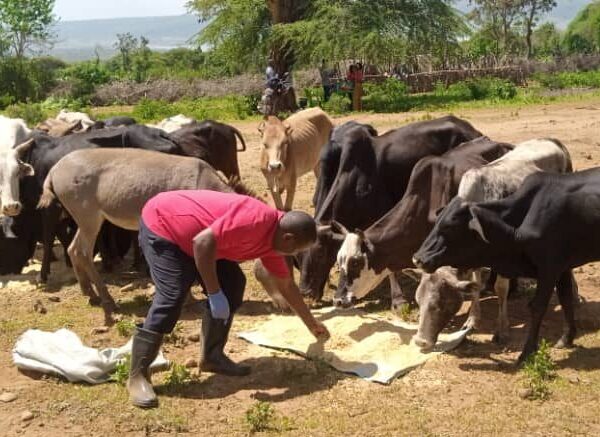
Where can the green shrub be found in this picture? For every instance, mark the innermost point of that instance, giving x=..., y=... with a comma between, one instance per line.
x=338, y=103
x=477, y=89
x=177, y=377
x=579, y=79
x=125, y=327
x=260, y=417
x=539, y=369
x=458, y=91
x=32, y=113
x=121, y=372
x=389, y=96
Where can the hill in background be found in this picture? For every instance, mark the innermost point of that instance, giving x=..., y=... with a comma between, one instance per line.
x=78, y=40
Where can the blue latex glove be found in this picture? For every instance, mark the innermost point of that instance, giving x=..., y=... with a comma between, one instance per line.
x=219, y=306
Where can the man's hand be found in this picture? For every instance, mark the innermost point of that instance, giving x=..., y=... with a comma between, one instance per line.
x=320, y=331
x=219, y=306
x=290, y=292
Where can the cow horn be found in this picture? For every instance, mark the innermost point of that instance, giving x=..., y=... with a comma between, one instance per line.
x=339, y=228
x=24, y=147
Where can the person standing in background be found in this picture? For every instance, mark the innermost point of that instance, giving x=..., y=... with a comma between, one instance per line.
x=326, y=80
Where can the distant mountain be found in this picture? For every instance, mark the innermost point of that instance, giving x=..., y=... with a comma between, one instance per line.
x=78, y=40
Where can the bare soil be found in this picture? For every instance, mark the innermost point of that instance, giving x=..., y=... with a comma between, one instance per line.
x=471, y=391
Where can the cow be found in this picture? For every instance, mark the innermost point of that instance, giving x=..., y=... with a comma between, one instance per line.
x=544, y=230
x=213, y=142
x=491, y=182
x=14, y=135
x=291, y=148
x=43, y=152
x=171, y=124
x=58, y=128
x=95, y=185
x=386, y=247
x=73, y=117
x=118, y=121
x=372, y=175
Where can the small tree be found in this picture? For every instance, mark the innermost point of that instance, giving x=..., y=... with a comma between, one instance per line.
x=546, y=40
x=532, y=10
x=142, y=61
x=26, y=23
x=126, y=44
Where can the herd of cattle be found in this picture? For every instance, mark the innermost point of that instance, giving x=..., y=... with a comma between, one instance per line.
x=436, y=194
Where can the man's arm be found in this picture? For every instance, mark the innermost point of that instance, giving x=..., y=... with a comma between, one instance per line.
x=291, y=293
x=205, y=252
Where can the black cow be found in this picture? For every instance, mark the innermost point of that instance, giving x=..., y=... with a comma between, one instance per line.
x=544, y=230
x=371, y=178
x=213, y=142
x=119, y=121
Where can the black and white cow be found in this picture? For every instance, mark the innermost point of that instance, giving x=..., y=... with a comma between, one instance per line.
x=545, y=229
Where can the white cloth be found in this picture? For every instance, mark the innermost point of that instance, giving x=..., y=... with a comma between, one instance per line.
x=62, y=353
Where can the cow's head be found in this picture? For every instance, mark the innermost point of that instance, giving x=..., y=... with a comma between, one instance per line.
x=275, y=141
x=463, y=237
x=439, y=296
x=12, y=169
x=354, y=260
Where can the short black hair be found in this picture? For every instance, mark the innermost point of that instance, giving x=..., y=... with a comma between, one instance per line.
x=301, y=225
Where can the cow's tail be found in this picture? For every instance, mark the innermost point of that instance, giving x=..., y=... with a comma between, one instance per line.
x=241, y=138
x=569, y=166
x=48, y=197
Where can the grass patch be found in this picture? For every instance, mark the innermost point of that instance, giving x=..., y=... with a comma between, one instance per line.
x=539, y=370
x=125, y=327
x=121, y=373
x=177, y=377
x=261, y=417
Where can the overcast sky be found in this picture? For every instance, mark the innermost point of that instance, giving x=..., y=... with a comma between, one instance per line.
x=68, y=10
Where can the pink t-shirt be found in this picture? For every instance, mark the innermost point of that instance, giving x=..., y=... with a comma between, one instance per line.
x=243, y=227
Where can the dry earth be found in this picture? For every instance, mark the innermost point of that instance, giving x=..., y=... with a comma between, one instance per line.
x=472, y=391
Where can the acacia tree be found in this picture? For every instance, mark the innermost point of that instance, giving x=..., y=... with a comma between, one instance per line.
x=26, y=23
x=126, y=44
x=246, y=32
x=498, y=18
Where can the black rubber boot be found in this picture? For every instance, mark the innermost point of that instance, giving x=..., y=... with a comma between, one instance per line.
x=143, y=352
x=214, y=338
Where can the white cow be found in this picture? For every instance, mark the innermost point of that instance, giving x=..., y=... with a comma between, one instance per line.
x=13, y=145
x=495, y=181
x=171, y=124
x=74, y=117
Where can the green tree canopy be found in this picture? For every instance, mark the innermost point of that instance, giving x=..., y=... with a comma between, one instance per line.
x=583, y=33
x=26, y=23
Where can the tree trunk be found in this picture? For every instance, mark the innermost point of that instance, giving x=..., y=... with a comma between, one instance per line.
x=284, y=11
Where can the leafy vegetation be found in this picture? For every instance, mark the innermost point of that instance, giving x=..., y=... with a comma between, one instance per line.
x=125, y=327
x=121, y=373
x=177, y=377
x=539, y=369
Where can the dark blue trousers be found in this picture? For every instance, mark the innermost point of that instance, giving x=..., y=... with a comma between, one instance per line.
x=173, y=273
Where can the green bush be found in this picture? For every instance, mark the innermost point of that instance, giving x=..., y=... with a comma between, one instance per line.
x=338, y=103
x=579, y=79
x=389, y=96
x=478, y=89
x=32, y=113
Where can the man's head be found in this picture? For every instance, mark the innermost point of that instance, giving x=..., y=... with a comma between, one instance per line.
x=296, y=232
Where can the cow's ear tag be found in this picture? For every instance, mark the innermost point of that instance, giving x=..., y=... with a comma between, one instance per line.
x=475, y=225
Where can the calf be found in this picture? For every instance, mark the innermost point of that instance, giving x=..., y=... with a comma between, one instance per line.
x=491, y=182
x=370, y=178
x=291, y=148
x=542, y=231
x=386, y=247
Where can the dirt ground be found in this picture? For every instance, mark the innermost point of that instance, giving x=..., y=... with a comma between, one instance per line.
x=471, y=391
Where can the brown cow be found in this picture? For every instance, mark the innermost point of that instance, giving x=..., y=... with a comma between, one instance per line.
x=94, y=185
x=292, y=149
x=386, y=247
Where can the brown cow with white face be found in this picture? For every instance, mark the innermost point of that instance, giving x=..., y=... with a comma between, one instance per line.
x=291, y=148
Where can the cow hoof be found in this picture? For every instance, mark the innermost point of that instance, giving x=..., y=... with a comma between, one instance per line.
x=470, y=325
x=499, y=338
x=95, y=301
x=564, y=343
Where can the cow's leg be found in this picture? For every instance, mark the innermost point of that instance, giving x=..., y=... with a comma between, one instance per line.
x=399, y=298
x=78, y=253
x=538, y=306
x=50, y=219
x=65, y=236
x=291, y=192
x=474, y=319
x=502, y=287
x=275, y=192
x=567, y=295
